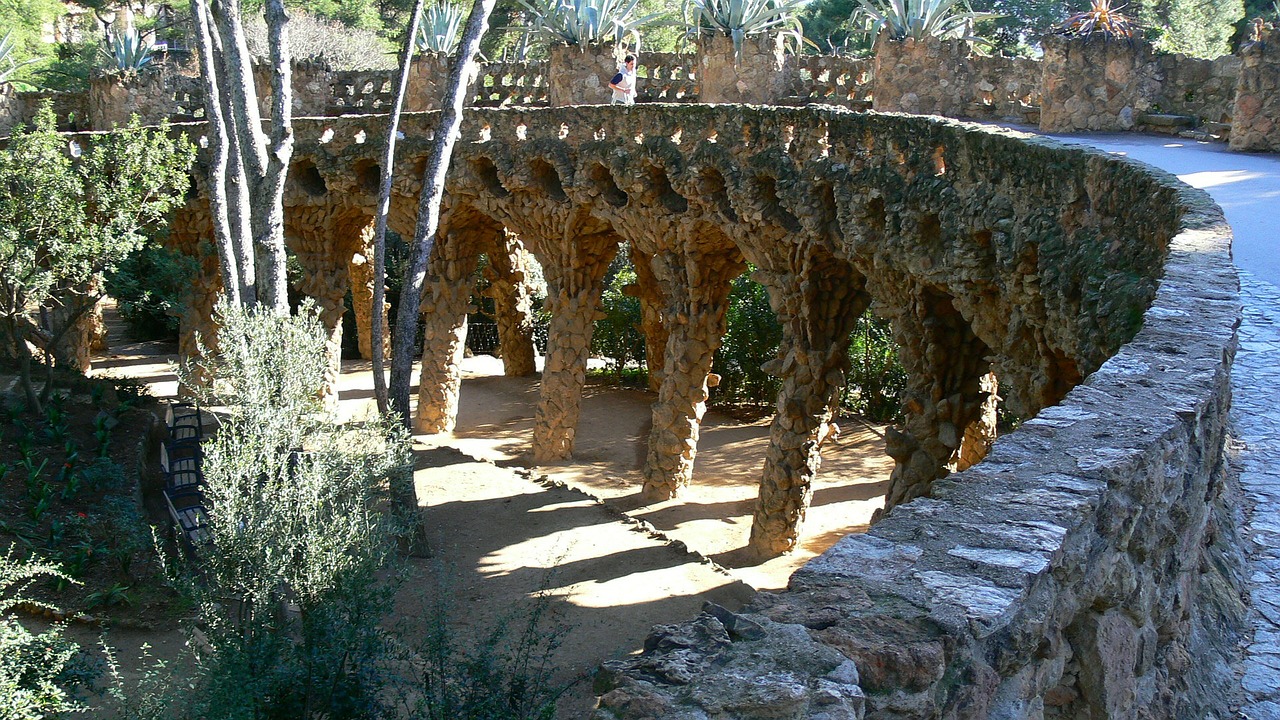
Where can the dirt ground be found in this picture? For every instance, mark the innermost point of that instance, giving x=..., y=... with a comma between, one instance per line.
x=576, y=532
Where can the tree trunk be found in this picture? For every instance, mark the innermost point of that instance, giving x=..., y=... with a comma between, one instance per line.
x=384, y=208
x=429, y=208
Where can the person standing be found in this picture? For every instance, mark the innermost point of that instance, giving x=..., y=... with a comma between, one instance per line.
x=624, y=83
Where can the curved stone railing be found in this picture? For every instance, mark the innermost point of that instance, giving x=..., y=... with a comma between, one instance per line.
x=1069, y=574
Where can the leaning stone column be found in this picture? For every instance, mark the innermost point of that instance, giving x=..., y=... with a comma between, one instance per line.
x=652, y=324
x=949, y=389
x=818, y=308
x=360, y=271
x=513, y=305
x=446, y=300
x=698, y=286
x=327, y=285
x=1255, y=124
x=573, y=297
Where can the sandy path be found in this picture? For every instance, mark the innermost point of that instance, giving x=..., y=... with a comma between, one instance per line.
x=501, y=533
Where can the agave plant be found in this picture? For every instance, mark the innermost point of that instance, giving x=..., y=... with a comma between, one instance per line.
x=740, y=19
x=586, y=22
x=128, y=51
x=1103, y=18
x=439, y=30
x=919, y=19
x=7, y=64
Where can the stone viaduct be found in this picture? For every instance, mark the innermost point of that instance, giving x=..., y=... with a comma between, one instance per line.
x=1007, y=267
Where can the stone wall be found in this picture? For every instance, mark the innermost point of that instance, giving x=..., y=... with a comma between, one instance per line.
x=901, y=69
x=164, y=93
x=1004, y=88
x=11, y=109
x=835, y=80
x=1199, y=88
x=580, y=75
x=1097, y=85
x=1256, y=123
x=762, y=74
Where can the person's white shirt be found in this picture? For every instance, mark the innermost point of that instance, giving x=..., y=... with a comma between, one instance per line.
x=624, y=84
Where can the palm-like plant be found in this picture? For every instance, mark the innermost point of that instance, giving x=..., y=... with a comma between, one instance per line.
x=1101, y=17
x=7, y=64
x=439, y=30
x=586, y=22
x=128, y=51
x=919, y=19
x=740, y=19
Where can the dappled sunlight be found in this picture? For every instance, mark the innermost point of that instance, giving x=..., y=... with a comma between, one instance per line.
x=1217, y=178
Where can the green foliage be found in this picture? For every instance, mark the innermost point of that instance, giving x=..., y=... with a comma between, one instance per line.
x=149, y=287
x=918, y=19
x=34, y=669
x=617, y=335
x=127, y=51
x=751, y=339
x=22, y=22
x=586, y=22
x=64, y=223
x=740, y=19
x=1202, y=28
x=293, y=585
x=8, y=65
x=440, y=26
x=876, y=378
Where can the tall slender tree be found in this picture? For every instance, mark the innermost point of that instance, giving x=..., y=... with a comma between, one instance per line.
x=446, y=133
x=384, y=209
x=247, y=163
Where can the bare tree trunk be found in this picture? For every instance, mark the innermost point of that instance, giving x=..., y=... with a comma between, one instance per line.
x=247, y=168
x=384, y=208
x=429, y=208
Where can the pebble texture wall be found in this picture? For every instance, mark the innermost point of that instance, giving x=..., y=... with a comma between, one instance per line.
x=1257, y=107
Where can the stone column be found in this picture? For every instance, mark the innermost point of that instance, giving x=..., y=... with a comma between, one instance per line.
x=1255, y=125
x=949, y=390
x=196, y=329
x=698, y=287
x=513, y=304
x=360, y=272
x=1096, y=85
x=652, y=324
x=580, y=74
x=574, y=283
x=446, y=300
x=326, y=282
x=927, y=77
x=818, y=307
x=762, y=74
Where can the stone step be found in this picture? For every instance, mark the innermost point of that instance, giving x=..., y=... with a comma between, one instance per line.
x=1166, y=120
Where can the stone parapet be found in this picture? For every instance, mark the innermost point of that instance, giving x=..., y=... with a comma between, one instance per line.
x=762, y=74
x=901, y=69
x=1256, y=122
x=1096, y=84
x=580, y=74
x=164, y=93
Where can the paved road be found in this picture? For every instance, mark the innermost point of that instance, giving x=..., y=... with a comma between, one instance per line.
x=1248, y=189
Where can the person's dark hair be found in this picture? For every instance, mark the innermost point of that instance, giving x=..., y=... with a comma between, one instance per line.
x=627, y=59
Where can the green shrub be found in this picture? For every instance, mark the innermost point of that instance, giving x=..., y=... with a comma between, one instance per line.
x=876, y=378
x=617, y=335
x=36, y=671
x=149, y=287
x=751, y=339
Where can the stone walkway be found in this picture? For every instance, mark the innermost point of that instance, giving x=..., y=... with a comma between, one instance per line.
x=1256, y=415
x=1247, y=187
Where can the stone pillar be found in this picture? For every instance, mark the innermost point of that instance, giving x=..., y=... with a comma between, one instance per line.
x=1255, y=125
x=652, y=324
x=580, y=74
x=818, y=307
x=513, y=305
x=1096, y=85
x=428, y=80
x=360, y=272
x=446, y=300
x=197, y=330
x=575, y=278
x=698, y=287
x=762, y=74
x=925, y=77
x=949, y=390
x=326, y=282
